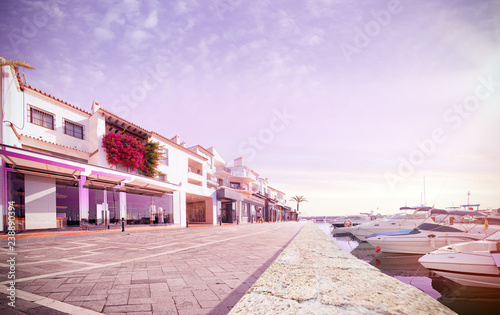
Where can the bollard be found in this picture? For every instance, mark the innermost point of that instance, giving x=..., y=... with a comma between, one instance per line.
x=123, y=224
x=187, y=223
x=237, y=220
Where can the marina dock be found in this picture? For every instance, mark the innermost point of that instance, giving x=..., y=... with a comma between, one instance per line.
x=279, y=268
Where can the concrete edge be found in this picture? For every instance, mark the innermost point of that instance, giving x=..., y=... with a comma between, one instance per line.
x=313, y=275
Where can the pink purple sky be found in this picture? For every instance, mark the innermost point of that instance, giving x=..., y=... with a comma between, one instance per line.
x=349, y=103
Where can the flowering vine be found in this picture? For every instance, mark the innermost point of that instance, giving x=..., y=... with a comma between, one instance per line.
x=132, y=153
x=125, y=150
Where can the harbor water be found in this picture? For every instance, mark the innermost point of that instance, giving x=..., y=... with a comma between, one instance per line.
x=406, y=268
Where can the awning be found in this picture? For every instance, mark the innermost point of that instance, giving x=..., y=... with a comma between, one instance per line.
x=256, y=201
x=104, y=179
x=144, y=188
x=226, y=193
x=39, y=164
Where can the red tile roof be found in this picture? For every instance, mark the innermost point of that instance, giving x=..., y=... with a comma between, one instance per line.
x=21, y=84
x=53, y=143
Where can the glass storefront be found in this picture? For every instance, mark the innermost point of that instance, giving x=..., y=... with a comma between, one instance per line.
x=228, y=212
x=113, y=198
x=245, y=209
x=103, y=205
x=96, y=199
x=143, y=209
x=15, y=196
x=196, y=211
x=67, y=205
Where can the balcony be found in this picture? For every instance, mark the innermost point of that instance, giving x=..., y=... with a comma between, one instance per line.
x=195, y=170
x=222, y=168
x=195, y=167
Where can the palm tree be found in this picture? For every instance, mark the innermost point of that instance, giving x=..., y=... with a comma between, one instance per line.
x=16, y=63
x=298, y=200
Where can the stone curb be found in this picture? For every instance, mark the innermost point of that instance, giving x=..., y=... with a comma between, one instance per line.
x=313, y=275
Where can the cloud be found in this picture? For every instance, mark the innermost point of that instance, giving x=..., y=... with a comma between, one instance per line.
x=103, y=34
x=152, y=20
x=139, y=37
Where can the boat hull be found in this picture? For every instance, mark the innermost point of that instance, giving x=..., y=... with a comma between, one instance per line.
x=418, y=243
x=476, y=269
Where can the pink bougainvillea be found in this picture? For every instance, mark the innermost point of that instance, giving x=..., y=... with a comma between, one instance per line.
x=125, y=150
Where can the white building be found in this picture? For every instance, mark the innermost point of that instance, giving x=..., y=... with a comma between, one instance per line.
x=55, y=171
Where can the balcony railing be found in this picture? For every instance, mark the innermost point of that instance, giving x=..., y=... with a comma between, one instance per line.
x=195, y=170
x=222, y=168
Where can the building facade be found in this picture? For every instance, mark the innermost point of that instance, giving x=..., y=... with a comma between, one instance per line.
x=55, y=172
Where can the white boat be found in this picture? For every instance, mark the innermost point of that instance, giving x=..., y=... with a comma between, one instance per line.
x=426, y=237
x=422, y=240
x=400, y=221
x=475, y=264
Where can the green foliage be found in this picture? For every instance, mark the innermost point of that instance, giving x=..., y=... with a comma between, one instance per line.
x=152, y=158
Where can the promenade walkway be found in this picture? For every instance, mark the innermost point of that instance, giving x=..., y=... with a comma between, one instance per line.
x=199, y=270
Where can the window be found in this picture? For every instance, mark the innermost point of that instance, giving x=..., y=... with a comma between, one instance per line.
x=72, y=129
x=41, y=118
x=235, y=185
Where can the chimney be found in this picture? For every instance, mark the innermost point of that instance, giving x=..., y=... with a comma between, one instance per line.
x=176, y=139
x=183, y=144
x=238, y=161
x=95, y=106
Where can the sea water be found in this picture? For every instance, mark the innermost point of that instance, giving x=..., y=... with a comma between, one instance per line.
x=406, y=268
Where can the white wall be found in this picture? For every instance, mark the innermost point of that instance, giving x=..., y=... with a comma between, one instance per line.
x=179, y=208
x=40, y=202
x=60, y=112
x=96, y=131
x=12, y=106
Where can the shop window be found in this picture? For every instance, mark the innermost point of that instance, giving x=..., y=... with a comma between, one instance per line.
x=149, y=209
x=68, y=205
x=15, y=200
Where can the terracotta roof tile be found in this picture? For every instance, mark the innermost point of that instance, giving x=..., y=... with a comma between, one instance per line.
x=21, y=84
x=53, y=143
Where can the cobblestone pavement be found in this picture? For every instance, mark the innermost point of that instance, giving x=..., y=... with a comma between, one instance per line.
x=199, y=270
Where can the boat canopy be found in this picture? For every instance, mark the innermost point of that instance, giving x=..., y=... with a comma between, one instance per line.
x=456, y=212
x=416, y=208
x=437, y=227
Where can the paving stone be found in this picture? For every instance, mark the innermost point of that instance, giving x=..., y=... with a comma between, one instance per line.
x=94, y=305
x=116, y=299
x=183, y=302
x=197, y=280
x=127, y=308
